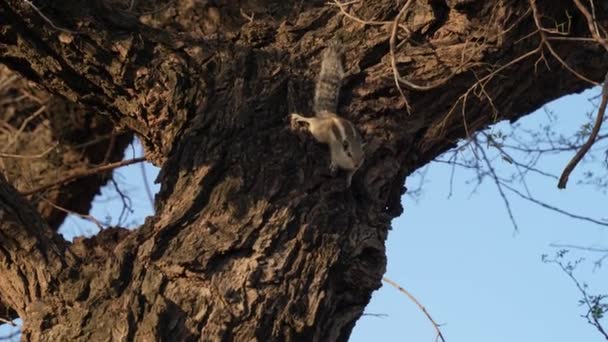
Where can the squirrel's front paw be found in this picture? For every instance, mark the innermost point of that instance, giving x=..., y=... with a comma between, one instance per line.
x=295, y=121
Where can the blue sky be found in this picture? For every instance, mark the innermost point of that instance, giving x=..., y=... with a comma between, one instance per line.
x=460, y=256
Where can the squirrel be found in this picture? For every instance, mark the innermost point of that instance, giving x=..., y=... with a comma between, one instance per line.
x=327, y=127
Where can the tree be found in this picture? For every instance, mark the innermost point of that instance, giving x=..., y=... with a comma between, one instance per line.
x=252, y=238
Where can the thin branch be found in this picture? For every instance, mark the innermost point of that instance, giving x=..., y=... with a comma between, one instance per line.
x=344, y=11
x=592, y=23
x=548, y=206
x=420, y=306
x=9, y=322
x=375, y=315
x=575, y=39
x=49, y=21
x=127, y=207
x=545, y=42
x=396, y=75
x=68, y=211
x=15, y=137
x=583, y=248
x=485, y=79
x=32, y=156
x=555, y=149
x=32, y=97
x=593, y=320
x=8, y=80
x=563, y=180
x=84, y=173
x=498, y=183
x=249, y=18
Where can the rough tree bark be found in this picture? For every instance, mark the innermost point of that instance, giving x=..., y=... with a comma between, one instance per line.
x=70, y=139
x=252, y=239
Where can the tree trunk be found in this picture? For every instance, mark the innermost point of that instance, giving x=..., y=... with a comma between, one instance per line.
x=253, y=239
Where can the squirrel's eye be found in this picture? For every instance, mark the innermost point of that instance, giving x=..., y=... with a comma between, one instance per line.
x=345, y=144
x=349, y=154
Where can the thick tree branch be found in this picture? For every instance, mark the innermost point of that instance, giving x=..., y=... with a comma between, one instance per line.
x=32, y=257
x=143, y=79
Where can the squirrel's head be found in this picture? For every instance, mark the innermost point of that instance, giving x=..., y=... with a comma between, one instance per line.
x=354, y=151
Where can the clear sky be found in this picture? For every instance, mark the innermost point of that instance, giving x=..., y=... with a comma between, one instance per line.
x=460, y=256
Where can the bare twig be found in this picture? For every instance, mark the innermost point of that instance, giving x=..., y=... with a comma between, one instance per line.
x=588, y=300
x=398, y=78
x=33, y=97
x=9, y=322
x=480, y=160
x=545, y=42
x=247, y=16
x=31, y=156
x=563, y=180
x=597, y=263
x=392, y=40
x=392, y=44
x=127, y=205
x=484, y=79
x=592, y=23
x=556, y=209
x=420, y=306
x=43, y=16
x=68, y=211
x=24, y=124
x=575, y=39
x=498, y=183
x=347, y=14
x=375, y=315
x=7, y=80
x=582, y=248
x=553, y=149
x=83, y=173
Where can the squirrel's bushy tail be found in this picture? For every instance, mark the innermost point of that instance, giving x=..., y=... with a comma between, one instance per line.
x=329, y=81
